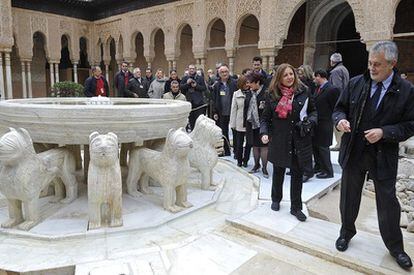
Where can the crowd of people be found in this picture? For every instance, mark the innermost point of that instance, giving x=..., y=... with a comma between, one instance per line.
x=289, y=117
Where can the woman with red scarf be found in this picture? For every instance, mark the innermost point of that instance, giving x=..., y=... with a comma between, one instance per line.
x=286, y=124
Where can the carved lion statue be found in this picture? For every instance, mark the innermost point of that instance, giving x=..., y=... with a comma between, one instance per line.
x=170, y=168
x=104, y=181
x=204, y=156
x=24, y=174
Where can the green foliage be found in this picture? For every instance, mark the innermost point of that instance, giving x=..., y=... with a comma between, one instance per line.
x=67, y=89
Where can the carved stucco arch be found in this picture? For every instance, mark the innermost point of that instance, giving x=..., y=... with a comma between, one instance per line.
x=288, y=8
x=180, y=29
x=88, y=47
x=150, y=49
x=240, y=22
x=119, y=53
x=134, y=35
x=394, y=12
x=316, y=18
x=208, y=30
x=70, y=49
x=45, y=44
x=107, y=47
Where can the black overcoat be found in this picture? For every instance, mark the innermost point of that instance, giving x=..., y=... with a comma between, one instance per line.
x=325, y=101
x=395, y=117
x=285, y=138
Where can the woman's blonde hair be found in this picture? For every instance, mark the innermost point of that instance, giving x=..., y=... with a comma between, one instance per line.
x=274, y=87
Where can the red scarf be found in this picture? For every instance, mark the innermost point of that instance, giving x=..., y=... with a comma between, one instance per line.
x=284, y=107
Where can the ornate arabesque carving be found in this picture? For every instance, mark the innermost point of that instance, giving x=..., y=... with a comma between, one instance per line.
x=216, y=8
x=248, y=7
x=39, y=24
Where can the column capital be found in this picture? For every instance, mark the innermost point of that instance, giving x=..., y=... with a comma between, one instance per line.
x=268, y=51
x=231, y=52
x=200, y=55
x=149, y=58
x=75, y=62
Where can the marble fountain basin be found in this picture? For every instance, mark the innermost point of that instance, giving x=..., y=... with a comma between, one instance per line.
x=72, y=120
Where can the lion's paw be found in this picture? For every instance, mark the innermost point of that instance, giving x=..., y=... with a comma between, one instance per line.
x=26, y=225
x=10, y=223
x=174, y=208
x=185, y=204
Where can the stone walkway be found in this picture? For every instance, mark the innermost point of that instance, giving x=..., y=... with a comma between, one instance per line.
x=366, y=252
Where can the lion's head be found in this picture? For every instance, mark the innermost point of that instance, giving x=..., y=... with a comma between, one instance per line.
x=103, y=149
x=15, y=145
x=206, y=129
x=178, y=142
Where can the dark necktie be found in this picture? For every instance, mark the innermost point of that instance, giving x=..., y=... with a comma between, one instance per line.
x=376, y=97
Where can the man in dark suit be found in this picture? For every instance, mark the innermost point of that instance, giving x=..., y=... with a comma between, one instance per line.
x=222, y=95
x=375, y=112
x=326, y=96
x=121, y=80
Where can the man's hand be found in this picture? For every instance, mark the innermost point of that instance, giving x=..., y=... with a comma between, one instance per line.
x=215, y=116
x=265, y=139
x=189, y=80
x=374, y=135
x=344, y=126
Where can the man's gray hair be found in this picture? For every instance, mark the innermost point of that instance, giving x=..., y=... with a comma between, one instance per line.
x=336, y=57
x=136, y=70
x=389, y=49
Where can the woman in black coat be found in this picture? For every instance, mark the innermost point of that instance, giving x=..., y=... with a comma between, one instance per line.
x=286, y=123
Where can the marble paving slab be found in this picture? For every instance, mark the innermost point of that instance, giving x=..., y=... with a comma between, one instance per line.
x=366, y=252
x=314, y=188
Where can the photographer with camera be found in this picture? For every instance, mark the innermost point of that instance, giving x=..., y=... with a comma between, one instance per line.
x=286, y=124
x=193, y=87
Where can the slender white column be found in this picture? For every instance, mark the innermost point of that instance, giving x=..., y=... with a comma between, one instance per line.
x=24, y=90
x=271, y=62
x=174, y=64
x=107, y=72
x=203, y=63
x=148, y=64
x=169, y=65
x=75, y=72
x=231, y=64
x=8, y=75
x=2, y=88
x=265, y=62
x=56, y=72
x=52, y=81
x=29, y=80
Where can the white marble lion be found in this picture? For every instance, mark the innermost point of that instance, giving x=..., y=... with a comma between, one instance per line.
x=24, y=174
x=170, y=168
x=204, y=156
x=104, y=181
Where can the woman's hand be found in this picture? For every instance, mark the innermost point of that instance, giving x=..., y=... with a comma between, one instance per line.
x=265, y=139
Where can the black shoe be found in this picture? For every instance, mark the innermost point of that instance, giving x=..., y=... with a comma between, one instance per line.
x=305, y=178
x=298, y=214
x=341, y=244
x=244, y=163
x=239, y=164
x=275, y=206
x=255, y=169
x=324, y=176
x=265, y=173
x=403, y=260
